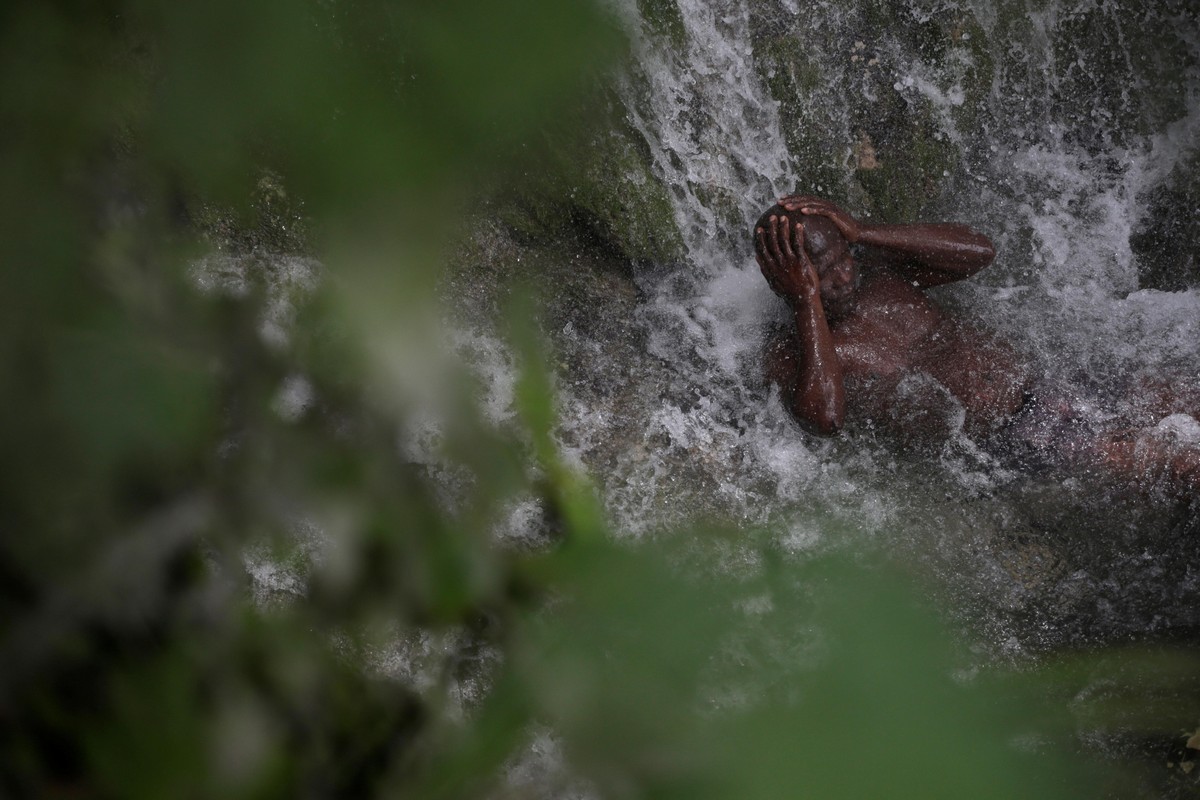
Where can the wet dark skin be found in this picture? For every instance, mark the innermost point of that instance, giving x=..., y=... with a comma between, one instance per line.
x=863, y=325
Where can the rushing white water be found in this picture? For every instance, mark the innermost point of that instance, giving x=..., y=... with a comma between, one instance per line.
x=713, y=131
x=713, y=441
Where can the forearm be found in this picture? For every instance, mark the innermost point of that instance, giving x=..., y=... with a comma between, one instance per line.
x=945, y=250
x=818, y=399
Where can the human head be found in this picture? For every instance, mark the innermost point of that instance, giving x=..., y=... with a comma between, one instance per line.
x=830, y=254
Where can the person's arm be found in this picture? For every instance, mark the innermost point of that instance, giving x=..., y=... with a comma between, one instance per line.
x=818, y=398
x=928, y=254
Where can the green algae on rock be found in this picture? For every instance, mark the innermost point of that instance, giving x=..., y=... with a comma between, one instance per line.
x=593, y=175
x=887, y=146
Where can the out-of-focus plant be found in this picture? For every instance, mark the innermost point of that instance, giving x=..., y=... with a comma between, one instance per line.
x=144, y=455
x=141, y=452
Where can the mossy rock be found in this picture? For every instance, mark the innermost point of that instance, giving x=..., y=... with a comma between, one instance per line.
x=1114, y=72
x=814, y=132
x=900, y=154
x=663, y=18
x=910, y=165
x=875, y=148
x=1124, y=63
x=591, y=174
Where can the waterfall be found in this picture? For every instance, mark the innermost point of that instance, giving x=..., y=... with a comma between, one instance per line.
x=713, y=131
x=1056, y=129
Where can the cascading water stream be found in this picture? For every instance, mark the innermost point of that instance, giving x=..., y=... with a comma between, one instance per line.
x=713, y=131
x=714, y=134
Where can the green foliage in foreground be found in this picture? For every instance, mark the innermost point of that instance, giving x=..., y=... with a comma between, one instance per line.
x=143, y=459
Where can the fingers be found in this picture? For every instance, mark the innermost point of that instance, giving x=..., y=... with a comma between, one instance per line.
x=785, y=239
x=766, y=267
x=763, y=257
x=823, y=208
x=792, y=202
x=802, y=254
x=773, y=241
x=802, y=202
x=760, y=252
x=816, y=206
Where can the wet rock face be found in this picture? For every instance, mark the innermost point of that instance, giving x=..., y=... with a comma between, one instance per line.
x=1124, y=70
x=882, y=105
x=856, y=130
x=1165, y=240
x=592, y=173
x=1041, y=565
x=611, y=388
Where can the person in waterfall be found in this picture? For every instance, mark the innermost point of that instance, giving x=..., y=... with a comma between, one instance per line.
x=869, y=344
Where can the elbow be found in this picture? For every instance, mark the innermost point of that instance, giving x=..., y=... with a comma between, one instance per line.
x=980, y=252
x=987, y=250
x=831, y=426
x=826, y=424
x=824, y=428
x=820, y=408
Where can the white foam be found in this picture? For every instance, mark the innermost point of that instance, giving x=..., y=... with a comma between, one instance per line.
x=1179, y=427
x=490, y=360
x=294, y=397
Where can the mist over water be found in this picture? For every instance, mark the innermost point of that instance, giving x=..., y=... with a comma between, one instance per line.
x=1056, y=163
